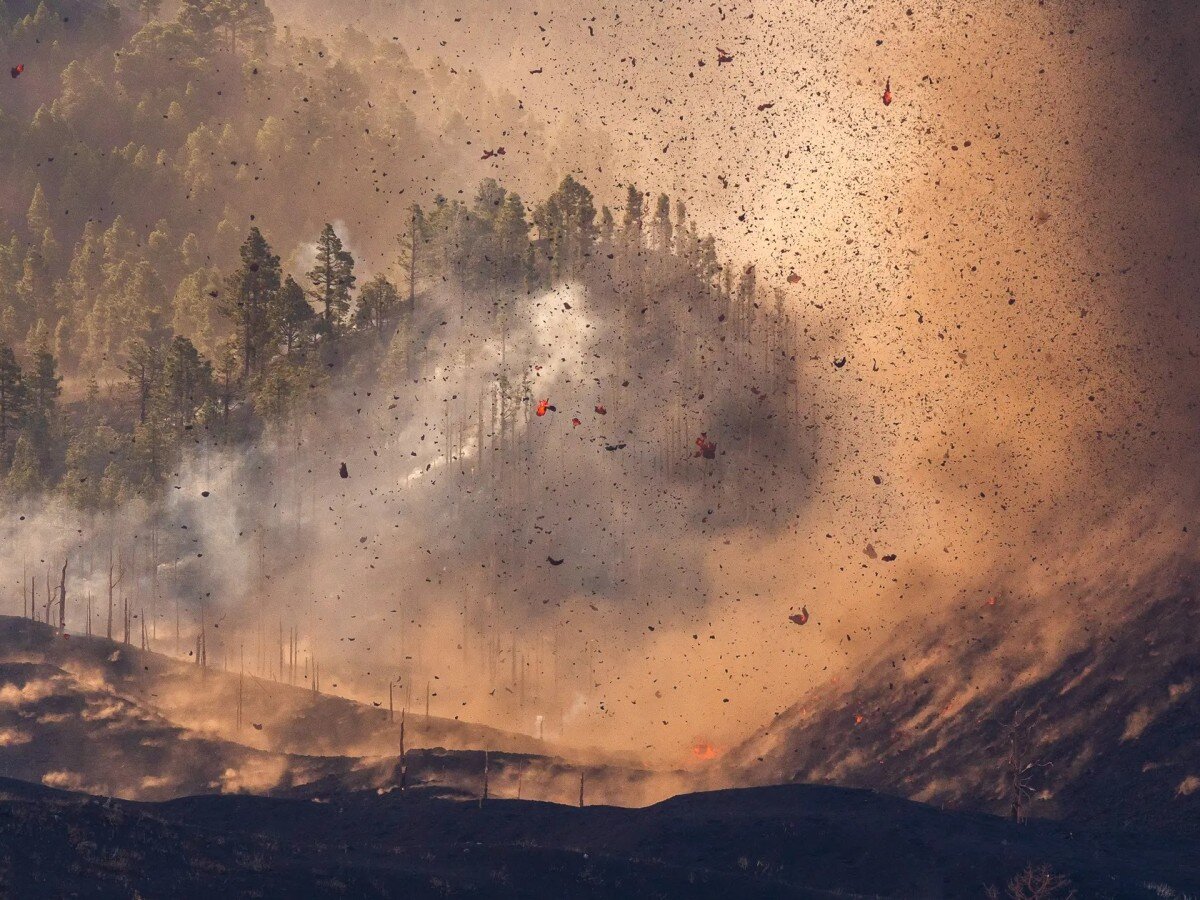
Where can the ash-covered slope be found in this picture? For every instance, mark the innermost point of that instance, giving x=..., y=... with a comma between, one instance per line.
x=59, y=730
x=1108, y=734
x=293, y=719
x=92, y=715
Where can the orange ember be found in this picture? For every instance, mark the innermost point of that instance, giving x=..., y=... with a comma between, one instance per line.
x=706, y=448
x=887, y=93
x=542, y=406
x=704, y=751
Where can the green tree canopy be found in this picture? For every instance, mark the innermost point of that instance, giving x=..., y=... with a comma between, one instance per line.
x=248, y=297
x=332, y=279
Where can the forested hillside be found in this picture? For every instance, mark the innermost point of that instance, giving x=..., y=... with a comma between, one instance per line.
x=208, y=217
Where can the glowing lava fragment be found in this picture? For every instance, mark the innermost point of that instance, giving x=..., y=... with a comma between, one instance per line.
x=543, y=406
x=887, y=93
x=801, y=617
x=16, y=70
x=575, y=423
x=705, y=447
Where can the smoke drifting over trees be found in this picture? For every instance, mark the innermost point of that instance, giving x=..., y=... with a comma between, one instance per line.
x=376, y=440
x=634, y=333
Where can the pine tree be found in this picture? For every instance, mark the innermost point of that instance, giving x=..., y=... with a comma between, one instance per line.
x=142, y=366
x=248, y=297
x=25, y=472
x=332, y=279
x=247, y=20
x=412, y=257
x=607, y=225
x=566, y=225
x=185, y=385
x=291, y=316
x=377, y=304
x=633, y=215
x=12, y=400
x=37, y=219
x=44, y=385
x=512, y=241
x=662, y=224
x=149, y=9
x=35, y=287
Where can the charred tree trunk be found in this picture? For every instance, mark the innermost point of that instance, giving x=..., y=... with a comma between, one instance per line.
x=484, y=795
x=403, y=763
x=62, y=598
x=112, y=583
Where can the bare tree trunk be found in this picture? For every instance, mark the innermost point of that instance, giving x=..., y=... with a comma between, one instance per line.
x=241, y=684
x=412, y=264
x=112, y=584
x=484, y=795
x=62, y=598
x=403, y=765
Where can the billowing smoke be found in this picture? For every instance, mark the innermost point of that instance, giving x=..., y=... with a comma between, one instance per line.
x=495, y=508
x=1003, y=257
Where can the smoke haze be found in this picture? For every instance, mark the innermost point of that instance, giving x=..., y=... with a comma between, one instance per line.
x=1004, y=257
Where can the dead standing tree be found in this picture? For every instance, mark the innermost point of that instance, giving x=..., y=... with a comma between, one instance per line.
x=62, y=598
x=403, y=763
x=111, y=585
x=1020, y=767
x=483, y=796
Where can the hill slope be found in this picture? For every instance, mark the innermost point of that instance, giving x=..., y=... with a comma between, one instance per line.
x=90, y=714
x=1112, y=731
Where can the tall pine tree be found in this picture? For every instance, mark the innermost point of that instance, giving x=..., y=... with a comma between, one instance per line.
x=332, y=279
x=248, y=298
x=291, y=317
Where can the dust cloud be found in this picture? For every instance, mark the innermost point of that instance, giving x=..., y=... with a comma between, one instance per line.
x=1004, y=257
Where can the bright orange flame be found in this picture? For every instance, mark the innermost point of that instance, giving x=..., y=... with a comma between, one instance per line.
x=704, y=751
